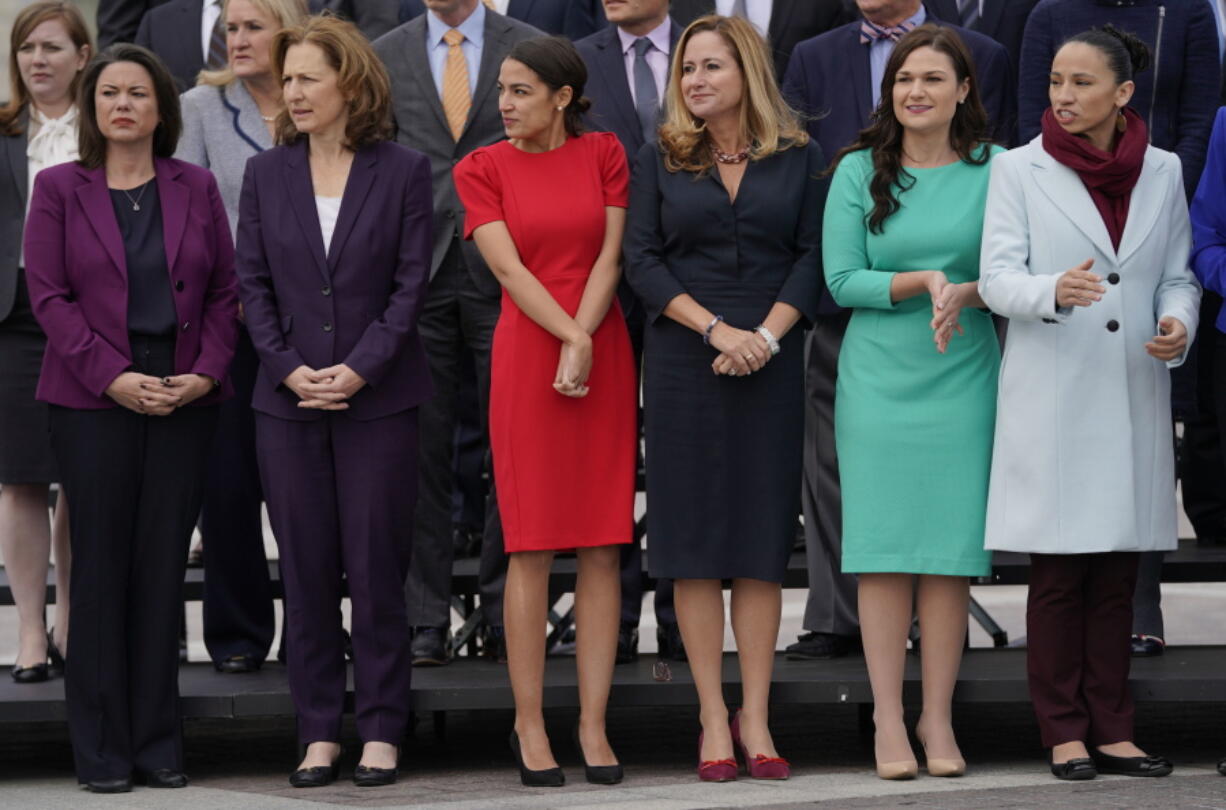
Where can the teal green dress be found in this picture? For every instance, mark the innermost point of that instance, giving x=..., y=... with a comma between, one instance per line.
x=913, y=428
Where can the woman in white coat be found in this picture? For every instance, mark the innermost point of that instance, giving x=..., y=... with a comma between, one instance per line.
x=1085, y=250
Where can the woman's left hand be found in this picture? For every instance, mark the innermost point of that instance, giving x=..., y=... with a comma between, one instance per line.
x=189, y=387
x=946, y=309
x=1171, y=340
x=340, y=381
x=724, y=364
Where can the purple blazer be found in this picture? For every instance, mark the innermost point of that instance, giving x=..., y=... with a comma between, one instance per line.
x=77, y=273
x=356, y=303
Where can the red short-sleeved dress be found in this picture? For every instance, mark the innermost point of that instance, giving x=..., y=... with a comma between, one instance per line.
x=563, y=467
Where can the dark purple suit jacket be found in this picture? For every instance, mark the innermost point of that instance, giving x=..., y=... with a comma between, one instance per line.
x=358, y=303
x=77, y=272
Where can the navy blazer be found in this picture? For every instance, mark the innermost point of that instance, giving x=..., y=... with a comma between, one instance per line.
x=172, y=31
x=817, y=83
x=356, y=304
x=608, y=89
x=570, y=18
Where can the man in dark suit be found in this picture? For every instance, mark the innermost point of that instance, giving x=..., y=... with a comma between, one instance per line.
x=175, y=31
x=374, y=18
x=570, y=18
x=816, y=81
x=784, y=22
x=1002, y=20
x=616, y=80
x=462, y=302
x=118, y=20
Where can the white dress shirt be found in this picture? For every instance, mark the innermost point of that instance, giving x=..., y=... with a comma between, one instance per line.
x=328, y=208
x=473, y=30
x=657, y=58
x=759, y=12
x=208, y=19
x=501, y=6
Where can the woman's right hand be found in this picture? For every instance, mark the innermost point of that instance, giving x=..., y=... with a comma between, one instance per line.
x=746, y=350
x=143, y=394
x=1079, y=287
x=574, y=367
x=302, y=382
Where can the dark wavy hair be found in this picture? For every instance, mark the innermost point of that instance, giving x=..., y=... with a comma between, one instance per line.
x=91, y=141
x=1126, y=54
x=558, y=64
x=967, y=132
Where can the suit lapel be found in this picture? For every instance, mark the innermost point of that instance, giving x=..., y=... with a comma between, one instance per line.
x=861, y=75
x=612, y=71
x=493, y=50
x=1147, y=202
x=993, y=13
x=416, y=52
x=357, y=187
x=192, y=14
x=16, y=149
x=302, y=200
x=175, y=199
x=519, y=9
x=96, y=200
x=1064, y=189
x=781, y=17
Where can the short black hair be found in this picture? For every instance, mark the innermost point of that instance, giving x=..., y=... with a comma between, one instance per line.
x=91, y=141
x=1127, y=55
x=558, y=64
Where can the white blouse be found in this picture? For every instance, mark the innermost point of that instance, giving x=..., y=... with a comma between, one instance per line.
x=54, y=141
x=328, y=208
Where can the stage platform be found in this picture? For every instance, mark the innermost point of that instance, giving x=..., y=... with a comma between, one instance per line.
x=1183, y=675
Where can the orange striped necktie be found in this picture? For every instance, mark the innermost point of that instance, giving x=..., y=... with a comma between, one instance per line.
x=489, y=4
x=457, y=98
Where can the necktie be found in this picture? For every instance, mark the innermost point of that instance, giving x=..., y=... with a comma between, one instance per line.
x=216, y=57
x=457, y=98
x=872, y=33
x=738, y=9
x=646, y=98
x=490, y=5
x=968, y=11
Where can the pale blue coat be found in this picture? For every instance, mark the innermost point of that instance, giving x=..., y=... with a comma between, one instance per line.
x=1083, y=458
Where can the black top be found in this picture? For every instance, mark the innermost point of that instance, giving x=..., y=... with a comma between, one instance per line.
x=151, y=304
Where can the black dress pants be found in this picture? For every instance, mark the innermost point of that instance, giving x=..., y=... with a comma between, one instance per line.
x=456, y=317
x=136, y=482
x=238, y=609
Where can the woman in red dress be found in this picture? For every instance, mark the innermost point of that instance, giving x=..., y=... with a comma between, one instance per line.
x=547, y=210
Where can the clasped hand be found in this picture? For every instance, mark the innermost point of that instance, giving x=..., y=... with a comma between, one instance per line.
x=948, y=299
x=325, y=389
x=574, y=367
x=157, y=396
x=741, y=351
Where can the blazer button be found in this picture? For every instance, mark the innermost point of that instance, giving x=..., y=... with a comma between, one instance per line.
x=186, y=324
x=328, y=326
x=1049, y=320
x=326, y=291
x=1113, y=326
x=178, y=286
x=1113, y=278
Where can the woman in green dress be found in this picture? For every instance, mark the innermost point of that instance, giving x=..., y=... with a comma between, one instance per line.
x=916, y=396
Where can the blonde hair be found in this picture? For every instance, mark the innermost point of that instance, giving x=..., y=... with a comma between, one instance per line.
x=768, y=124
x=284, y=14
x=30, y=18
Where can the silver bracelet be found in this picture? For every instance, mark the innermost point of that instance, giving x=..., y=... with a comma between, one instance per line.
x=770, y=339
x=706, y=333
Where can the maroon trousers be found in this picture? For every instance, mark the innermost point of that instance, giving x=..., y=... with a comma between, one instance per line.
x=1078, y=623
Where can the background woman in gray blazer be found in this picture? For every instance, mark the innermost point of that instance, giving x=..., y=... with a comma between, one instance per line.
x=49, y=45
x=228, y=118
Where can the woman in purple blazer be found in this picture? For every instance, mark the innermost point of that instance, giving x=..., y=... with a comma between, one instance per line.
x=334, y=257
x=131, y=273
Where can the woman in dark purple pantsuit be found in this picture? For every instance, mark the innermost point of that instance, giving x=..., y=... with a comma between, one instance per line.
x=334, y=257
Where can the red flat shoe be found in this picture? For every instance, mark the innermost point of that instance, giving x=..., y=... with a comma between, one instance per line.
x=760, y=766
x=715, y=770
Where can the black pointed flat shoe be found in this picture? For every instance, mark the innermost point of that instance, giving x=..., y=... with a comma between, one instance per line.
x=364, y=776
x=549, y=777
x=318, y=776
x=1132, y=766
x=55, y=659
x=161, y=778
x=32, y=674
x=1075, y=770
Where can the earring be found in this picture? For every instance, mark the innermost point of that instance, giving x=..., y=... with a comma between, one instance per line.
x=561, y=108
x=1121, y=123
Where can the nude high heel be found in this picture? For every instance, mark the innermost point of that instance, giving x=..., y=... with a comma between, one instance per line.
x=939, y=766
x=898, y=770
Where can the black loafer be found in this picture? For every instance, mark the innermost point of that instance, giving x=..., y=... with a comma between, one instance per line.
x=494, y=644
x=819, y=647
x=430, y=646
x=161, y=778
x=669, y=643
x=374, y=777
x=318, y=776
x=237, y=664
x=627, y=644
x=1075, y=770
x=1132, y=766
x=123, y=785
x=32, y=674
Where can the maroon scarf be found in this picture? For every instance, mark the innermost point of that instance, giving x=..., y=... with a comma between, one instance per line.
x=1108, y=176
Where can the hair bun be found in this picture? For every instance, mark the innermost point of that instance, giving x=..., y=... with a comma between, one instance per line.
x=581, y=105
x=1138, y=51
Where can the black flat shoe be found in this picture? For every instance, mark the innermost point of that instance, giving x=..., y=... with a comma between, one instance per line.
x=374, y=777
x=32, y=674
x=627, y=644
x=237, y=665
x=161, y=778
x=1132, y=766
x=1075, y=770
x=549, y=777
x=318, y=776
x=54, y=658
x=598, y=774
x=1147, y=646
x=109, y=786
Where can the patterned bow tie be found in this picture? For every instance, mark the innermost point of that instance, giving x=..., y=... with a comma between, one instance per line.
x=872, y=33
